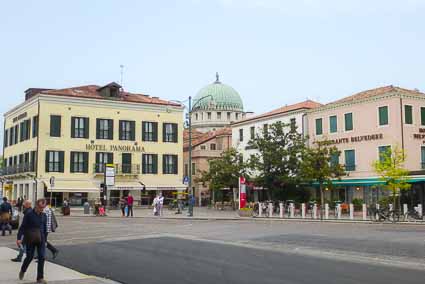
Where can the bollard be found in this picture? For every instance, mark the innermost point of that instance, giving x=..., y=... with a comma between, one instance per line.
x=291, y=210
x=377, y=209
x=303, y=210
x=338, y=211
x=420, y=210
x=315, y=211
x=260, y=209
x=391, y=206
x=405, y=208
x=281, y=210
x=326, y=211
x=270, y=209
x=364, y=212
x=351, y=211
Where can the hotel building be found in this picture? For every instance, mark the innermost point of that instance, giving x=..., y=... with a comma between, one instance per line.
x=68, y=135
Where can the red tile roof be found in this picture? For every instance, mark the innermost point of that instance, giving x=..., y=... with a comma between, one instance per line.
x=204, y=137
x=308, y=104
x=92, y=92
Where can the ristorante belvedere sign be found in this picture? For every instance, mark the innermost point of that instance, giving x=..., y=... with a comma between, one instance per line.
x=352, y=139
x=115, y=148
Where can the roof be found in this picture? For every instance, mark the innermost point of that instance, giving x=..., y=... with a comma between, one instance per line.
x=308, y=104
x=204, y=137
x=376, y=92
x=93, y=92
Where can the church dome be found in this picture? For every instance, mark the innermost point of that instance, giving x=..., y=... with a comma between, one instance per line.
x=218, y=96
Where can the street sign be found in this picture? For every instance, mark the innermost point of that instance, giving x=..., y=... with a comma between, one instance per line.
x=109, y=175
x=52, y=181
x=186, y=180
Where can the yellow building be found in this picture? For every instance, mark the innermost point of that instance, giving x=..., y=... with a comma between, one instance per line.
x=57, y=142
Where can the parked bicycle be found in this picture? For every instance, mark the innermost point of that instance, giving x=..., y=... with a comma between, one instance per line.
x=412, y=215
x=384, y=214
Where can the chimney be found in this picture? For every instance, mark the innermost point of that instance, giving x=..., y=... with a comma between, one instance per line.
x=31, y=92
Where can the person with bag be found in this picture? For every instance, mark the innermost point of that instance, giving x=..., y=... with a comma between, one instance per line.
x=33, y=230
x=27, y=208
x=5, y=216
x=130, y=201
x=51, y=226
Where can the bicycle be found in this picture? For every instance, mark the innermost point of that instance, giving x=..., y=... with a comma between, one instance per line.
x=412, y=214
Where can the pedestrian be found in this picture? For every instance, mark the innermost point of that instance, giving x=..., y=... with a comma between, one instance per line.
x=130, y=201
x=191, y=202
x=155, y=206
x=51, y=226
x=5, y=216
x=26, y=208
x=19, y=203
x=160, y=204
x=123, y=204
x=33, y=231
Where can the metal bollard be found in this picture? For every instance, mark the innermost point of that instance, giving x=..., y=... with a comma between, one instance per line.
x=270, y=209
x=377, y=208
x=351, y=211
x=303, y=210
x=364, y=212
x=338, y=211
x=260, y=209
x=281, y=213
x=326, y=211
x=405, y=208
x=315, y=211
x=291, y=210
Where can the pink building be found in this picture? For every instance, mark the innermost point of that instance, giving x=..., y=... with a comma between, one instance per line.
x=366, y=123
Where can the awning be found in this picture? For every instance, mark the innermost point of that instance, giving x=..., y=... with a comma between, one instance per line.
x=126, y=186
x=369, y=181
x=72, y=186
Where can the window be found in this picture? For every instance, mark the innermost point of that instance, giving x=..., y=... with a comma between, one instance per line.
x=350, y=160
x=212, y=146
x=218, y=115
x=169, y=164
x=6, y=138
x=348, y=118
x=422, y=157
x=422, y=116
x=55, y=125
x=104, y=129
x=33, y=163
x=149, y=131
x=193, y=169
x=408, y=114
x=333, y=124
x=54, y=161
x=149, y=164
x=35, y=126
x=103, y=158
x=203, y=147
x=209, y=115
x=126, y=163
x=319, y=127
x=252, y=131
x=241, y=135
x=25, y=130
x=293, y=124
x=265, y=129
x=237, y=116
x=169, y=132
x=196, y=116
x=80, y=127
x=383, y=115
x=16, y=134
x=383, y=151
x=228, y=116
x=79, y=162
x=11, y=136
x=127, y=130
x=334, y=159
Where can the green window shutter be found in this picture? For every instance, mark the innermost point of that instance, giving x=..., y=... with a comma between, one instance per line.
x=382, y=150
x=155, y=131
x=47, y=161
x=155, y=163
x=71, y=162
x=334, y=159
x=16, y=134
x=72, y=127
x=175, y=133
x=423, y=157
x=383, y=115
x=120, y=130
x=319, y=127
x=143, y=163
x=132, y=130
x=86, y=162
x=28, y=134
x=86, y=127
x=111, y=129
x=61, y=161
x=143, y=130
x=350, y=162
x=408, y=115
x=55, y=125
x=422, y=115
x=110, y=158
x=176, y=164
x=333, y=127
x=163, y=164
x=97, y=128
x=348, y=117
x=163, y=132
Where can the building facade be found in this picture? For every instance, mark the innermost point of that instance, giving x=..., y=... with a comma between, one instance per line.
x=364, y=125
x=57, y=142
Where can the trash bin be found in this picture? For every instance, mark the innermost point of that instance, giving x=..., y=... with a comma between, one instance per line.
x=86, y=208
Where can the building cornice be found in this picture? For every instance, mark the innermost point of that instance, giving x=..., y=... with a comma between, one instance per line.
x=248, y=120
x=20, y=107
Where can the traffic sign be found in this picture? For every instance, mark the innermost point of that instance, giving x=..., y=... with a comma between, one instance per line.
x=186, y=180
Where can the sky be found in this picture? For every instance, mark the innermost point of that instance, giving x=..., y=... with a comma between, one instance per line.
x=272, y=52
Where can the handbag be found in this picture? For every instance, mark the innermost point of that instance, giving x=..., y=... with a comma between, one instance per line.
x=4, y=217
x=32, y=237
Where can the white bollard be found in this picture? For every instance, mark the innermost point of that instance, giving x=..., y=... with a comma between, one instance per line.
x=281, y=210
x=338, y=211
x=260, y=209
x=351, y=211
x=377, y=208
x=315, y=211
x=326, y=211
x=303, y=210
x=405, y=208
x=270, y=209
x=391, y=207
x=364, y=212
x=291, y=208
x=420, y=210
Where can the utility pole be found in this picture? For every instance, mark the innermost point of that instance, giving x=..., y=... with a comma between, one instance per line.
x=190, y=146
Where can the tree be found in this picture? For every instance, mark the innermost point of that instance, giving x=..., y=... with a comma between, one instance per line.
x=320, y=164
x=390, y=168
x=224, y=172
x=277, y=163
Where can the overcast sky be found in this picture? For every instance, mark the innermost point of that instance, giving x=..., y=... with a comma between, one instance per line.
x=272, y=52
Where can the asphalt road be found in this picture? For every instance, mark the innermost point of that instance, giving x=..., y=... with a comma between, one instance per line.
x=176, y=260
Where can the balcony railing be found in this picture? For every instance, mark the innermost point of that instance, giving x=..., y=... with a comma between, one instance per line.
x=17, y=169
x=120, y=169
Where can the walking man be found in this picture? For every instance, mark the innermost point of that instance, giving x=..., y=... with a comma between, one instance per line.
x=161, y=204
x=27, y=208
x=130, y=201
x=191, y=202
x=5, y=216
x=20, y=203
x=51, y=226
x=33, y=230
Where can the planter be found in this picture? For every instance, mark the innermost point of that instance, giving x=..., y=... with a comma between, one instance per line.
x=246, y=212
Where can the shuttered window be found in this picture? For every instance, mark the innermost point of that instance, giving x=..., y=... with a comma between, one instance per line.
x=423, y=157
x=169, y=132
x=126, y=162
x=252, y=130
x=103, y=158
x=241, y=134
x=55, y=125
x=293, y=124
x=334, y=159
x=6, y=138
x=104, y=129
x=80, y=127
x=35, y=126
x=408, y=114
x=149, y=164
x=348, y=119
x=127, y=130
x=11, y=136
x=383, y=115
x=16, y=134
x=169, y=164
x=319, y=126
x=333, y=124
x=149, y=131
x=383, y=151
x=79, y=162
x=55, y=161
x=350, y=160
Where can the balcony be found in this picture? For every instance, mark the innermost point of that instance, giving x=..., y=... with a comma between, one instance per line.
x=18, y=169
x=120, y=169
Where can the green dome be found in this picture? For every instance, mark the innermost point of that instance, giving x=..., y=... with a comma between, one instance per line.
x=218, y=96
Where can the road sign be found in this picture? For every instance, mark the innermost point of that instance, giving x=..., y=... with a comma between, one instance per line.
x=52, y=181
x=186, y=180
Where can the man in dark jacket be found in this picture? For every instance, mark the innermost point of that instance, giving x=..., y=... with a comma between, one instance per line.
x=34, y=227
x=27, y=208
x=5, y=215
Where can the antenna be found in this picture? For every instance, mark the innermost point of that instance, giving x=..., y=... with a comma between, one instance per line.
x=122, y=75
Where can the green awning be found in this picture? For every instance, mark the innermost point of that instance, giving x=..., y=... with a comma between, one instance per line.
x=367, y=181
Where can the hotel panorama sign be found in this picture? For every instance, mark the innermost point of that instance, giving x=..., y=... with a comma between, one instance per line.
x=352, y=139
x=115, y=148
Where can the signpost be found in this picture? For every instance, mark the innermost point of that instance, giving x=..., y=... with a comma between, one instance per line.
x=108, y=180
x=186, y=180
x=242, y=192
x=52, y=185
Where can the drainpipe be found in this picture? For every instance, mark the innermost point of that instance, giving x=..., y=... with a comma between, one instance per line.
x=401, y=124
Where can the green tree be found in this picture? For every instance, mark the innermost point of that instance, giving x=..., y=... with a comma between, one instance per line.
x=320, y=164
x=277, y=163
x=224, y=172
x=390, y=168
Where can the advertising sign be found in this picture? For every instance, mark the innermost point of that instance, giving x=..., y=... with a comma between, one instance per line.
x=242, y=192
x=110, y=175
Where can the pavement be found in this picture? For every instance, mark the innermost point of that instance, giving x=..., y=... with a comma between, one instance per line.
x=55, y=274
